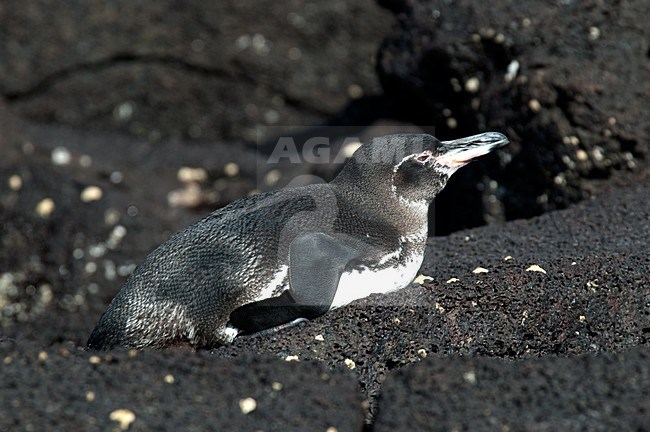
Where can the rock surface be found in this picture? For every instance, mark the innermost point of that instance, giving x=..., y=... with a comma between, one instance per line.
x=531, y=324
x=593, y=298
x=588, y=392
x=566, y=81
x=217, y=70
x=65, y=388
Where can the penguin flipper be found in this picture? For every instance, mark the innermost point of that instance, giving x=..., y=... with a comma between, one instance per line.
x=316, y=262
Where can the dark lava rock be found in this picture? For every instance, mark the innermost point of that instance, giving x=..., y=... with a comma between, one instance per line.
x=570, y=283
x=64, y=388
x=192, y=69
x=60, y=272
x=567, y=82
x=594, y=296
x=596, y=392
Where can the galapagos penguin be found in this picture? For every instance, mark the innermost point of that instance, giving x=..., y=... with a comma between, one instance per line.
x=274, y=258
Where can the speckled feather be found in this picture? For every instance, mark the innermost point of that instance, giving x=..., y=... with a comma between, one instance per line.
x=186, y=289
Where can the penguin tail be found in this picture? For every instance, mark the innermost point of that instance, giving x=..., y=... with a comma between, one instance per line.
x=110, y=331
x=102, y=338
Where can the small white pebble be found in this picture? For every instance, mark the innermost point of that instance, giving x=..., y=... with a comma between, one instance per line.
x=15, y=182
x=534, y=105
x=97, y=251
x=422, y=279
x=42, y=356
x=247, y=405
x=189, y=175
x=169, y=379
x=124, y=417
x=91, y=193
x=118, y=233
x=594, y=33
x=472, y=85
x=511, y=71
x=61, y=156
x=535, y=268
x=350, y=364
x=124, y=111
x=276, y=386
x=422, y=352
x=470, y=377
x=272, y=177
x=439, y=308
x=231, y=169
x=111, y=216
x=452, y=280
x=452, y=123
x=94, y=360
x=479, y=270
x=319, y=338
x=582, y=155
x=582, y=318
x=189, y=196
x=508, y=258
x=598, y=154
x=571, y=139
x=45, y=208
x=291, y=358
x=331, y=429
x=110, y=272
x=90, y=396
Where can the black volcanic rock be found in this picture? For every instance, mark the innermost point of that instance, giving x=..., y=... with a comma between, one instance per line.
x=597, y=392
x=214, y=70
x=64, y=388
x=60, y=275
x=567, y=82
x=554, y=307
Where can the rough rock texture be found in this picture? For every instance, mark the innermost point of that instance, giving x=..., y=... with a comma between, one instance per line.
x=594, y=296
x=574, y=103
x=607, y=392
x=64, y=388
x=570, y=283
x=191, y=69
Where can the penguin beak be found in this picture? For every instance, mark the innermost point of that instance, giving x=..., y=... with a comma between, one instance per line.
x=457, y=153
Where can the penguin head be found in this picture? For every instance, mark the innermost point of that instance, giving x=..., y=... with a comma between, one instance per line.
x=414, y=168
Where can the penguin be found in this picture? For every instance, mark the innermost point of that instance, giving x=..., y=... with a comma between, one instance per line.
x=281, y=257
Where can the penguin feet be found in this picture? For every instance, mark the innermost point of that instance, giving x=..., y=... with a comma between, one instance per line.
x=272, y=330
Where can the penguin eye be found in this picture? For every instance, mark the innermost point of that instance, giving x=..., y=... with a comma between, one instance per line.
x=423, y=157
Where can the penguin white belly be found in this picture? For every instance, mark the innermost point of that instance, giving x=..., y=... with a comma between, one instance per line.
x=358, y=284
